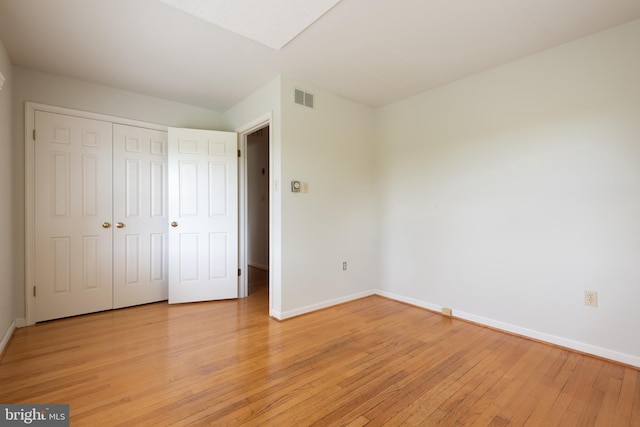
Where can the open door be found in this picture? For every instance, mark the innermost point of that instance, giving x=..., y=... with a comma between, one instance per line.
x=203, y=215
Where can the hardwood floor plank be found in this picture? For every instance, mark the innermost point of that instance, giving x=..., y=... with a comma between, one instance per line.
x=555, y=381
x=519, y=363
x=429, y=402
x=369, y=362
x=386, y=409
x=426, y=370
x=609, y=384
x=634, y=418
x=526, y=399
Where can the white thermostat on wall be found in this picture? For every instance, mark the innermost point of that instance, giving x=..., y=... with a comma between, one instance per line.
x=295, y=186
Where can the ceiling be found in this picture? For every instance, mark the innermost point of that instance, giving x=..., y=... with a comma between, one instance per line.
x=372, y=51
x=273, y=23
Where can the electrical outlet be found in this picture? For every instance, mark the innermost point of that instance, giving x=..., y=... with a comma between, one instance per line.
x=344, y=265
x=591, y=298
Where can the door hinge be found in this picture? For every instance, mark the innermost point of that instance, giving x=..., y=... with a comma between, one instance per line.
x=34, y=291
x=238, y=153
x=239, y=272
x=34, y=134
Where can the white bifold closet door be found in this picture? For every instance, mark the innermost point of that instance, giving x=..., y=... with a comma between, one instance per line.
x=73, y=211
x=105, y=196
x=140, y=269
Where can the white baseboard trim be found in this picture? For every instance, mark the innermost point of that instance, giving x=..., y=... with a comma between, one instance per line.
x=410, y=301
x=260, y=266
x=495, y=324
x=528, y=333
x=275, y=314
x=7, y=336
x=21, y=322
x=315, y=307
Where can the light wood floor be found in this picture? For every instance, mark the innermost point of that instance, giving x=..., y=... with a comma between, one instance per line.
x=368, y=362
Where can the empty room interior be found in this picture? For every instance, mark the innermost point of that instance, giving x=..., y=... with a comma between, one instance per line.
x=331, y=212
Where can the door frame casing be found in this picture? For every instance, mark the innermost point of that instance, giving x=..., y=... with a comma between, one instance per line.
x=243, y=261
x=29, y=171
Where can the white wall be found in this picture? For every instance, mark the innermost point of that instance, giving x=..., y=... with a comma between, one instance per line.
x=64, y=92
x=8, y=233
x=258, y=198
x=331, y=148
x=507, y=194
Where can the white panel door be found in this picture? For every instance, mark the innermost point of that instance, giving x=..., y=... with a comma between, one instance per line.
x=139, y=215
x=203, y=215
x=72, y=215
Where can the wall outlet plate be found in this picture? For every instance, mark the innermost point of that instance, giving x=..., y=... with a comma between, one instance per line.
x=295, y=186
x=591, y=298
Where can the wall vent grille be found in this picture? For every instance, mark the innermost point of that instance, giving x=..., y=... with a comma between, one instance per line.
x=303, y=98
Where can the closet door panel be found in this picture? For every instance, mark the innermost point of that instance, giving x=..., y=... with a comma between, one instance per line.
x=73, y=211
x=140, y=215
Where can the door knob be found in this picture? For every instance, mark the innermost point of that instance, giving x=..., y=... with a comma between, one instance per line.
x=119, y=225
x=174, y=224
x=106, y=224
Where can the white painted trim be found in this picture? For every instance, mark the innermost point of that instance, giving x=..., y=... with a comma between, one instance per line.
x=256, y=124
x=525, y=332
x=275, y=314
x=410, y=301
x=243, y=280
x=7, y=336
x=326, y=304
x=552, y=339
x=21, y=322
x=243, y=260
x=29, y=172
x=29, y=214
x=94, y=116
x=627, y=359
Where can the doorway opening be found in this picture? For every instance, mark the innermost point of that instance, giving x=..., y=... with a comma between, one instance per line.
x=256, y=186
x=257, y=211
